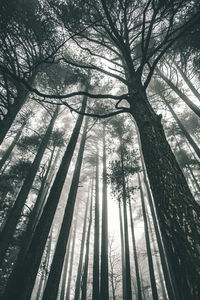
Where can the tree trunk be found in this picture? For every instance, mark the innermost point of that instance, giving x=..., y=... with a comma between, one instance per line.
x=177, y=211
x=52, y=286
x=149, y=253
x=122, y=254
x=80, y=263
x=11, y=147
x=126, y=237
x=104, y=285
x=67, y=297
x=186, y=134
x=14, y=108
x=65, y=268
x=139, y=292
x=95, y=286
x=24, y=278
x=17, y=208
x=86, y=263
x=193, y=107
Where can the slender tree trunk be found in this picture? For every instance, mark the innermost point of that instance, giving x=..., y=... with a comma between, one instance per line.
x=104, y=285
x=122, y=254
x=126, y=236
x=80, y=263
x=86, y=263
x=65, y=268
x=177, y=211
x=17, y=208
x=14, y=108
x=52, y=286
x=139, y=292
x=11, y=147
x=95, y=286
x=187, y=81
x=67, y=297
x=24, y=278
x=149, y=253
x=193, y=107
x=186, y=134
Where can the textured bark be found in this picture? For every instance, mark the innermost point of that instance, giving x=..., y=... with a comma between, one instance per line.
x=11, y=147
x=95, y=286
x=24, y=278
x=17, y=208
x=193, y=107
x=139, y=292
x=86, y=263
x=148, y=247
x=52, y=285
x=177, y=211
x=104, y=285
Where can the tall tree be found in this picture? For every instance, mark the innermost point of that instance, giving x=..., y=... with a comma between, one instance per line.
x=22, y=281
x=16, y=211
x=52, y=285
x=104, y=284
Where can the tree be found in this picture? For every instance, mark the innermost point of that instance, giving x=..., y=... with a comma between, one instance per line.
x=22, y=281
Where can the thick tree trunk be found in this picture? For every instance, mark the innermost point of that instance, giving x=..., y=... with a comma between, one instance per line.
x=17, y=208
x=183, y=129
x=86, y=263
x=193, y=107
x=148, y=247
x=24, y=278
x=122, y=253
x=11, y=147
x=137, y=273
x=95, y=286
x=177, y=211
x=104, y=285
x=52, y=286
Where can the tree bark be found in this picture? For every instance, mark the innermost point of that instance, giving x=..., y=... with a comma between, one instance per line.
x=17, y=208
x=104, y=285
x=52, y=286
x=24, y=278
x=95, y=286
x=177, y=211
